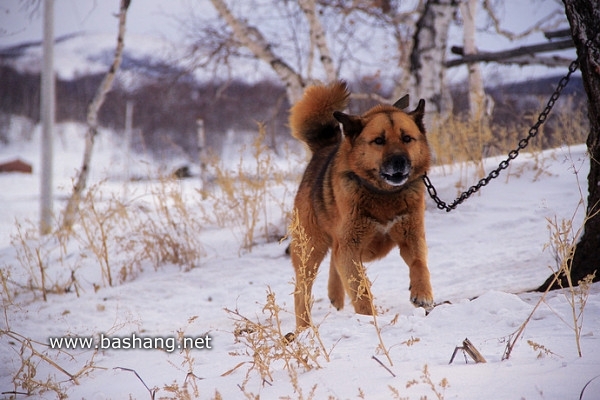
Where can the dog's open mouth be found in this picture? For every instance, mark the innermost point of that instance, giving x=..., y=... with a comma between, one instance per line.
x=396, y=179
x=395, y=170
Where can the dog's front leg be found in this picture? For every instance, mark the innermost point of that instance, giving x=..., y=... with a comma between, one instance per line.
x=335, y=286
x=306, y=263
x=413, y=249
x=347, y=261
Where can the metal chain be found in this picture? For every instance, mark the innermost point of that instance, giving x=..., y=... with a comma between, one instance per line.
x=533, y=131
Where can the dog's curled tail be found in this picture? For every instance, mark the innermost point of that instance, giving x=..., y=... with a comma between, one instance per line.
x=311, y=118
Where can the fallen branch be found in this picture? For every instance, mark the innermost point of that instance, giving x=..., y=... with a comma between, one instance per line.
x=152, y=392
x=468, y=348
x=384, y=366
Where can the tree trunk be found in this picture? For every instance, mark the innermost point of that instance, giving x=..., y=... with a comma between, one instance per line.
x=583, y=17
x=429, y=54
x=468, y=10
x=318, y=37
x=92, y=122
x=253, y=39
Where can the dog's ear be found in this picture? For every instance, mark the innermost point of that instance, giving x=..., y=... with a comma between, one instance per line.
x=402, y=103
x=417, y=115
x=351, y=125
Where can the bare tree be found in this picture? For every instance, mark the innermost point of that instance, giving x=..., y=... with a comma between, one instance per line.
x=305, y=40
x=252, y=38
x=583, y=18
x=468, y=10
x=318, y=37
x=92, y=121
x=429, y=54
x=550, y=21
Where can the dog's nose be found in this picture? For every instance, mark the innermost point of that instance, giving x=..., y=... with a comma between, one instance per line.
x=395, y=169
x=395, y=164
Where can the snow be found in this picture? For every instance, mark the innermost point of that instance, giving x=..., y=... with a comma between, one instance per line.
x=484, y=257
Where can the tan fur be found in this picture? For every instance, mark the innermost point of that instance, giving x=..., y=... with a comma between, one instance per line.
x=360, y=196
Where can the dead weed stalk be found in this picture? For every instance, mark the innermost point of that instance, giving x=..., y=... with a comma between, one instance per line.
x=437, y=389
x=245, y=196
x=267, y=345
x=563, y=240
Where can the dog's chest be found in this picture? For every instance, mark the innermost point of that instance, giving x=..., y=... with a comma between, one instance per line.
x=385, y=227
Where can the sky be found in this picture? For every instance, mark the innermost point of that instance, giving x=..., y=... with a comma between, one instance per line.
x=145, y=17
x=159, y=18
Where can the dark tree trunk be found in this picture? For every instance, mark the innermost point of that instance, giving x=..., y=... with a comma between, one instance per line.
x=583, y=17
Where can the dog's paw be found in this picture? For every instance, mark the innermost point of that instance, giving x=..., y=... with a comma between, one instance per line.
x=422, y=299
x=338, y=303
x=363, y=307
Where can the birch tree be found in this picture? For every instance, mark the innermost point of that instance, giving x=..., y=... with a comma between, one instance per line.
x=318, y=38
x=252, y=38
x=429, y=54
x=468, y=11
x=92, y=121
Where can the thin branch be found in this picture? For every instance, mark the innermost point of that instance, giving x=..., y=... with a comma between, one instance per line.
x=92, y=121
x=384, y=366
x=152, y=392
x=498, y=56
x=541, y=25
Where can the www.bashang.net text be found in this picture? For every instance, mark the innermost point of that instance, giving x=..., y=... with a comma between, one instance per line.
x=131, y=342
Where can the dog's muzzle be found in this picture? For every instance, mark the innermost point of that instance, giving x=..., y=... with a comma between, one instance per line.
x=395, y=170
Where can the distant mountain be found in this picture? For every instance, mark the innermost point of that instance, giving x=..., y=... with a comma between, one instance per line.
x=88, y=54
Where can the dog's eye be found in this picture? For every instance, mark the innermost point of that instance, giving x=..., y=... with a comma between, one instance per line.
x=407, y=139
x=379, y=141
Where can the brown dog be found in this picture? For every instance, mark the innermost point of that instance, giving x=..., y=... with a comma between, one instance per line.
x=361, y=195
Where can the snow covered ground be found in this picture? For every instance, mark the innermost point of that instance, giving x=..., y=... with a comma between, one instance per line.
x=484, y=257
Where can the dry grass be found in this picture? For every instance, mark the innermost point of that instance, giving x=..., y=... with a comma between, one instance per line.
x=269, y=347
x=562, y=243
x=438, y=389
x=461, y=143
x=119, y=237
x=365, y=290
x=542, y=350
x=244, y=198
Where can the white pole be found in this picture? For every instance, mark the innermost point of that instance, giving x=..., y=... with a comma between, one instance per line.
x=47, y=112
x=202, y=154
x=128, y=136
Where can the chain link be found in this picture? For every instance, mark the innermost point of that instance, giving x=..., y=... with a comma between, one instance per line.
x=533, y=131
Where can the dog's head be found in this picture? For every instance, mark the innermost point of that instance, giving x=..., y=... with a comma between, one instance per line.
x=387, y=146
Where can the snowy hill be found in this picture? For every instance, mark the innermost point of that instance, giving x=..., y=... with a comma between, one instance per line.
x=87, y=54
x=483, y=257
